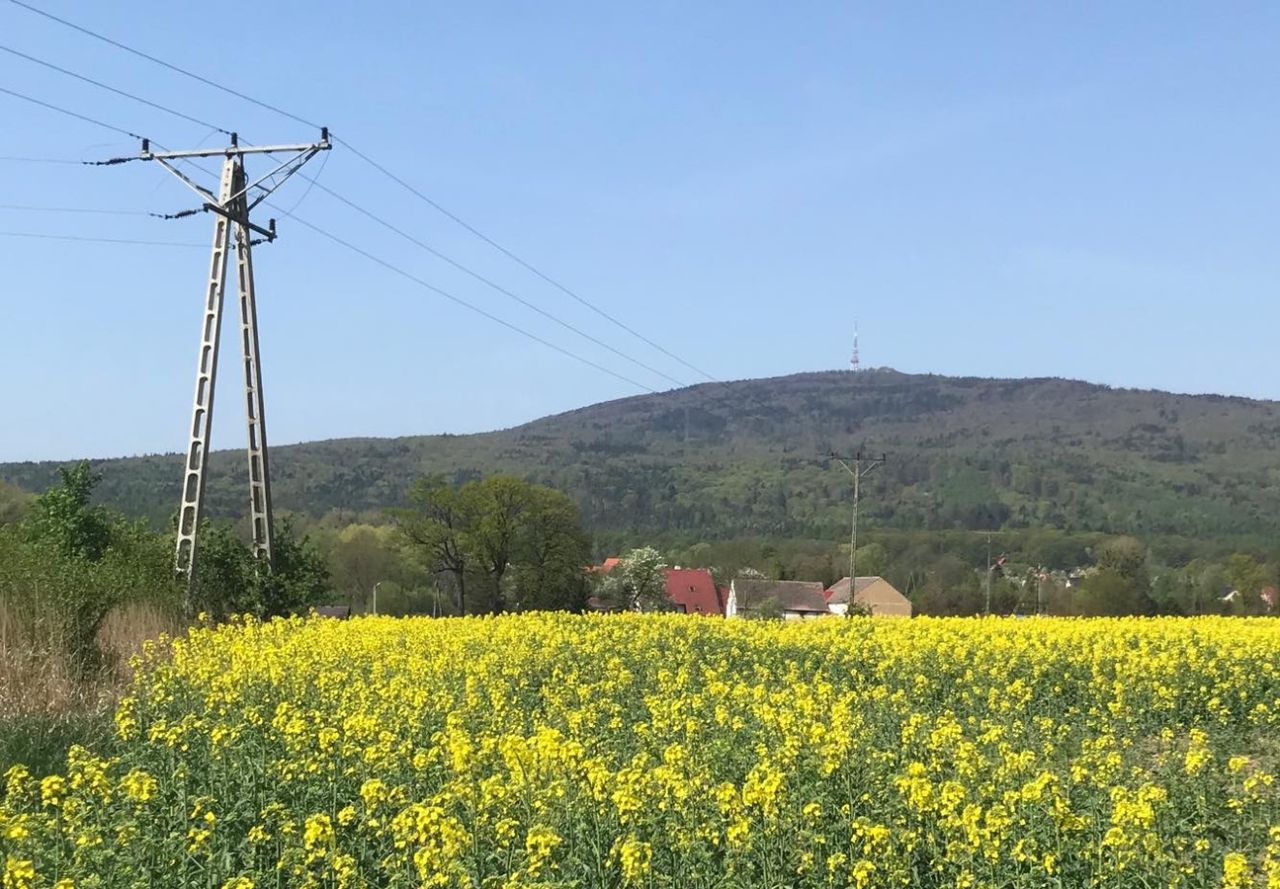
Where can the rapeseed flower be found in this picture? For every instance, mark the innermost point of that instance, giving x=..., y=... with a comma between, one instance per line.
x=540, y=750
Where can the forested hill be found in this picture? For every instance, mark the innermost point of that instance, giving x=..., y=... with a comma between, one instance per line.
x=746, y=458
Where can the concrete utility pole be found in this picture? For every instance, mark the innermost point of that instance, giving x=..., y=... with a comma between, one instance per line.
x=231, y=207
x=987, y=608
x=857, y=471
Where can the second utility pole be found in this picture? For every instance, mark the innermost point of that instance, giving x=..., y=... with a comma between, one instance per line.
x=857, y=472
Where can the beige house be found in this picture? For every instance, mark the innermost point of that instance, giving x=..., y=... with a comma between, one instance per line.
x=874, y=594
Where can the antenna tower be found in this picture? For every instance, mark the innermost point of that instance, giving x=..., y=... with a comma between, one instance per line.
x=231, y=207
x=854, y=363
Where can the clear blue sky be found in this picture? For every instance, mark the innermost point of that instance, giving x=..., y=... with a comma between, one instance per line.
x=1088, y=191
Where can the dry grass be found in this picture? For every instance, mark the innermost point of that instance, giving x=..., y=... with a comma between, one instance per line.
x=35, y=676
x=44, y=708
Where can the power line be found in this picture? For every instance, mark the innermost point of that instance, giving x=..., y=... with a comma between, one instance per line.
x=95, y=122
x=43, y=160
x=43, y=236
x=462, y=302
x=34, y=209
x=490, y=283
x=150, y=58
x=119, y=92
x=68, y=112
x=513, y=257
x=312, y=182
x=337, y=240
x=386, y=172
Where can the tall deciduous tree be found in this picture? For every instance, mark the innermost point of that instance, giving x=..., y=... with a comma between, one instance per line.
x=1121, y=585
x=62, y=517
x=498, y=508
x=553, y=551
x=1247, y=576
x=439, y=521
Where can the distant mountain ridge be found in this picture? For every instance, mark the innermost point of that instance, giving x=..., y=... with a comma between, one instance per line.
x=724, y=459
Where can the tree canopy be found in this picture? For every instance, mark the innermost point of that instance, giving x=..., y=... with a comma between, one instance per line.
x=501, y=542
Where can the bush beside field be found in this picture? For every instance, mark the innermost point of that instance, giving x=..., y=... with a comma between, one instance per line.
x=557, y=750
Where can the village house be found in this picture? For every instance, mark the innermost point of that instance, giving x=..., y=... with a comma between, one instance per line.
x=788, y=599
x=690, y=590
x=693, y=591
x=872, y=595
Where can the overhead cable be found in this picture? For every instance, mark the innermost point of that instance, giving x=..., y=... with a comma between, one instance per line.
x=35, y=209
x=347, y=244
x=119, y=92
x=43, y=160
x=69, y=113
x=514, y=258
x=460, y=301
x=386, y=172
x=490, y=283
x=312, y=182
x=49, y=237
x=150, y=58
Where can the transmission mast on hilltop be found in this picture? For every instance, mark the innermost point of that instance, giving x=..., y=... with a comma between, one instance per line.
x=854, y=363
x=231, y=206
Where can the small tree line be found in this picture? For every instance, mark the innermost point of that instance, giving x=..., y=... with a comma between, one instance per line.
x=498, y=544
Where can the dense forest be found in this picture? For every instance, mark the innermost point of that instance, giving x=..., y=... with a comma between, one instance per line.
x=726, y=460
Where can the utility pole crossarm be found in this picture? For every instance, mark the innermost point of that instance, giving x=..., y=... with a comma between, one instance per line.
x=235, y=149
x=237, y=152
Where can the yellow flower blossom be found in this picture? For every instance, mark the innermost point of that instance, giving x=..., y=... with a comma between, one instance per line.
x=1235, y=872
x=19, y=873
x=635, y=858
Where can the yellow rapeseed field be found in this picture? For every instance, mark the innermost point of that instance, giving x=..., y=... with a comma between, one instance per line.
x=666, y=751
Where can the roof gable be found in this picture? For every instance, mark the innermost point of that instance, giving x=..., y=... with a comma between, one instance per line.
x=874, y=593
x=693, y=590
x=838, y=592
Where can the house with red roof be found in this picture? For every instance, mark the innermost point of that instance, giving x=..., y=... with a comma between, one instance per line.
x=608, y=565
x=693, y=591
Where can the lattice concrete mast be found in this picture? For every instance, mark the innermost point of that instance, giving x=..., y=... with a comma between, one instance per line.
x=231, y=207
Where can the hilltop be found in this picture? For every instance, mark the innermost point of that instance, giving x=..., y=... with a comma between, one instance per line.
x=744, y=458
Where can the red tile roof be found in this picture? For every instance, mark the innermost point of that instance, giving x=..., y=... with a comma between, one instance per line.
x=693, y=591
